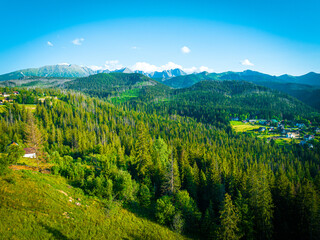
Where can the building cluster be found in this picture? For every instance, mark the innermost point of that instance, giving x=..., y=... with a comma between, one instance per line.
x=6, y=97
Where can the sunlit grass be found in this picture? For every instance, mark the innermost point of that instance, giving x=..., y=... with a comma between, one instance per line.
x=244, y=127
x=40, y=206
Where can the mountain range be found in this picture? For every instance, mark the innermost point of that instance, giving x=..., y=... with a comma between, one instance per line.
x=75, y=71
x=305, y=88
x=175, y=78
x=311, y=78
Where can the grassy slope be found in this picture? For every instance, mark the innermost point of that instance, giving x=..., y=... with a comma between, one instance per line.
x=37, y=206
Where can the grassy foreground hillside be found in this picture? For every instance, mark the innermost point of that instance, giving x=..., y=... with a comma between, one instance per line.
x=41, y=206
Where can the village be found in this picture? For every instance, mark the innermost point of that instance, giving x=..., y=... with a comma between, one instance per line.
x=7, y=97
x=280, y=131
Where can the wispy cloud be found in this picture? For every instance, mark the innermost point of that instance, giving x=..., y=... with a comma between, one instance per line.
x=95, y=68
x=205, y=69
x=135, y=48
x=112, y=65
x=78, y=41
x=185, y=49
x=50, y=44
x=147, y=67
x=246, y=62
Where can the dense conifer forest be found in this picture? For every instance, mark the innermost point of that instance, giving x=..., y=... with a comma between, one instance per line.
x=171, y=156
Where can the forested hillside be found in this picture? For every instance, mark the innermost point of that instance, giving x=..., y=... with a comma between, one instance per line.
x=305, y=93
x=196, y=177
x=106, y=85
x=305, y=87
x=215, y=102
x=208, y=101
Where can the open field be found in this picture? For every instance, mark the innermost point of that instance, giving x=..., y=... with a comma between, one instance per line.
x=42, y=206
x=244, y=127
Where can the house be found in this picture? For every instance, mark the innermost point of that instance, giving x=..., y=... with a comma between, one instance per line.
x=30, y=153
x=263, y=122
x=12, y=143
x=308, y=137
x=280, y=125
x=317, y=130
x=5, y=95
x=271, y=129
x=235, y=119
x=280, y=128
x=292, y=134
x=252, y=120
x=15, y=92
x=262, y=129
x=300, y=125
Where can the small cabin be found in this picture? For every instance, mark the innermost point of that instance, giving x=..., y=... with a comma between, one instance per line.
x=292, y=135
x=262, y=129
x=308, y=137
x=30, y=153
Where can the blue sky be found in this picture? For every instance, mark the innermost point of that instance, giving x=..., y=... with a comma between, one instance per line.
x=273, y=36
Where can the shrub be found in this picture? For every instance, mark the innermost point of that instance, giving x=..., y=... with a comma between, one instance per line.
x=165, y=210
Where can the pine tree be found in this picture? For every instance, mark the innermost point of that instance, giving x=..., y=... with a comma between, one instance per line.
x=230, y=219
x=172, y=180
x=261, y=202
x=143, y=155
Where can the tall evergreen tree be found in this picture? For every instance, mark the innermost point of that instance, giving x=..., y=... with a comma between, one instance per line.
x=230, y=220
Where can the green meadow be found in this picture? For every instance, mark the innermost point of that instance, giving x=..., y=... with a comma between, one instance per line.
x=42, y=206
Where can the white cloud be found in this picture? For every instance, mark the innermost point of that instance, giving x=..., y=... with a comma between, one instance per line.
x=144, y=66
x=185, y=49
x=205, y=69
x=134, y=48
x=50, y=44
x=170, y=65
x=113, y=65
x=190, y=70
x=78, y=41
x=63, y=64
x=147, y=67
x=246, y=62
x=96, y=68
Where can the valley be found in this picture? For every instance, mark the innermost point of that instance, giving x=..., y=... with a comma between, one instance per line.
x=121, y=155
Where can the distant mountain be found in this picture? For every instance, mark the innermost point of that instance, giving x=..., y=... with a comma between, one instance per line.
x=166, y=74
x=306, y=88
x=60, y=70
x=124, y=70
x=75, y=71
x=189, y=80
x=311, y=78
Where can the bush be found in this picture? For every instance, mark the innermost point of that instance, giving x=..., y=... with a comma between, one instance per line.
x=4, y=163
x=165, y=210
x=144, y=196
x=14, y=153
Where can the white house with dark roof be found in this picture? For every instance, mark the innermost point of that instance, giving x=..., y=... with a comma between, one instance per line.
x=30, y=153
